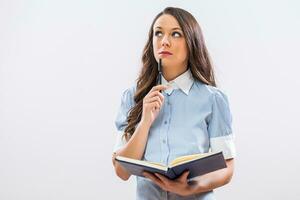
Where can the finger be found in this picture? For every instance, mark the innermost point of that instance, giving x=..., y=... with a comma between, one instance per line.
x=183, y=177
x=159, y=87
x=157, y=104
x=154, y=179
x=146, y=174
x=154, y=99
x=163, y=178
x=154, y=105
x=156, y=93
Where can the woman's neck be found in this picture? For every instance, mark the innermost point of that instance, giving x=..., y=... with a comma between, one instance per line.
x=170, y=73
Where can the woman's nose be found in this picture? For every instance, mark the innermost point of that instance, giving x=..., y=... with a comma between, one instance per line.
x=165, y=41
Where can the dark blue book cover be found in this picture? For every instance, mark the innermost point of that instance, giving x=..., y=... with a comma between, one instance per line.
x=198, y=165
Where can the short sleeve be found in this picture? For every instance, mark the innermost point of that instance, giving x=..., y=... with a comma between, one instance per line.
x=220, y=126
x=127, y=102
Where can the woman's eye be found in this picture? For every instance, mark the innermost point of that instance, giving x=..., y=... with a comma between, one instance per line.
x=158, y=33
x=176, y=34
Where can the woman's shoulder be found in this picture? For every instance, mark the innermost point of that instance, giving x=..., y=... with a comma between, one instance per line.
x=209, y=90
x=130, y=90
x=128, y=94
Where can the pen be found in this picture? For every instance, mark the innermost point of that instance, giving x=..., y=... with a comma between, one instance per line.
x=159, y=73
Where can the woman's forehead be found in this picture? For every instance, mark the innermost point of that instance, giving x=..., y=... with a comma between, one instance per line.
x=167, y=22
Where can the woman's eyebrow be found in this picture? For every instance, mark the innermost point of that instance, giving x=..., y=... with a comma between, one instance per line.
x=176, y=28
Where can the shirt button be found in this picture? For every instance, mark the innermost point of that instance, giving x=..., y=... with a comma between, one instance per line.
x=164, y=141
x=165, y=122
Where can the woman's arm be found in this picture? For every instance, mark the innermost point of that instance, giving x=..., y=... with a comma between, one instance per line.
x=134, y=148
x=213, y=180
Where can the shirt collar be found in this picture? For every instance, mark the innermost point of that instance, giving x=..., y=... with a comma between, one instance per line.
x=183, y=82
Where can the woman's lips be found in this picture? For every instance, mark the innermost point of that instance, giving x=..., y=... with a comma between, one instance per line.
x=165, y=53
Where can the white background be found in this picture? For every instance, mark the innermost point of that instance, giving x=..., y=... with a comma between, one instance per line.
x=64, y=65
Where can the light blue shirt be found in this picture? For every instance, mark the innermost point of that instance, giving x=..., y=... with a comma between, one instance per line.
x=195, y=118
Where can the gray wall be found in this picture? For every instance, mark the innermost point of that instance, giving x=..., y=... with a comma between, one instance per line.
x=64, y=64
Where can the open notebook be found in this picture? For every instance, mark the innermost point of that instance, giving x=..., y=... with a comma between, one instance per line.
x=197, y=164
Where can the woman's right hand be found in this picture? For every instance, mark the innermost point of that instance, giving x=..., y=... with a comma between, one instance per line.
x=152, y=104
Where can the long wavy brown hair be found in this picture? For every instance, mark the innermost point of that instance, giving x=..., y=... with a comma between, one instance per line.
x=198, y=62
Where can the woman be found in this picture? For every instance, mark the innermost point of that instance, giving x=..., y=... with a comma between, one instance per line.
x=186, y=114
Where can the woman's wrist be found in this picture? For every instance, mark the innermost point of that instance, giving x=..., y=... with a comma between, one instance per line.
x=144, y=123
x=195, y=187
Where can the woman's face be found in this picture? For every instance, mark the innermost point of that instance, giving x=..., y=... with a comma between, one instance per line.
x=169, y=43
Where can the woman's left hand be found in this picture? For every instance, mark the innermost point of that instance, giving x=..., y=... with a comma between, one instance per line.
x=179, y=186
